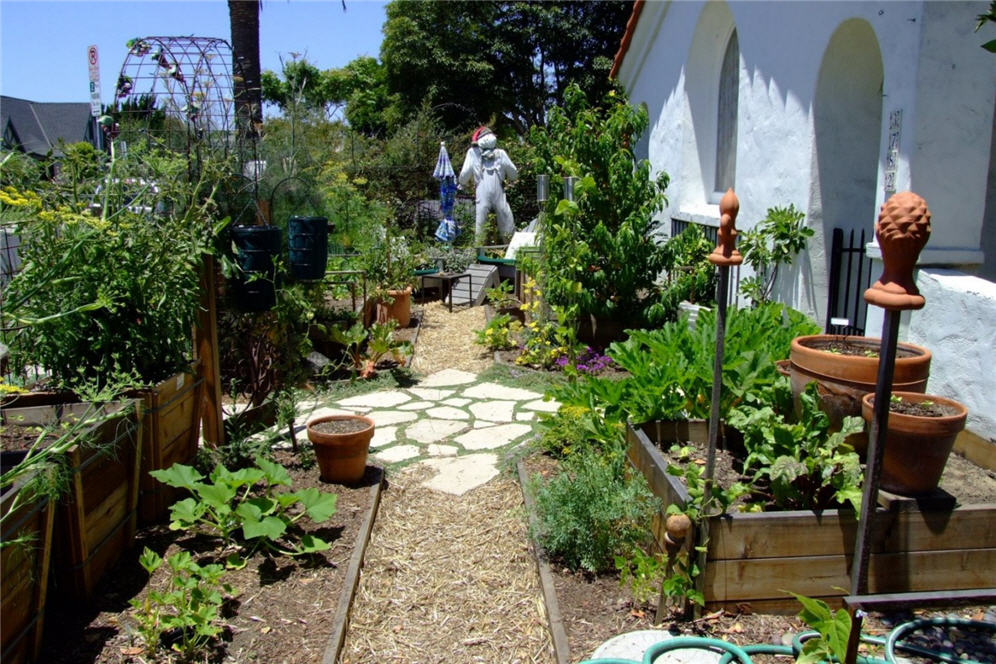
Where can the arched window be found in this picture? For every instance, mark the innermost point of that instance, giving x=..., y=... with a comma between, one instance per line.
x=726, y=122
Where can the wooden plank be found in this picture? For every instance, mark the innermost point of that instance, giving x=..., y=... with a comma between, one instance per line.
x=822, y=575
x=786, y=606
x=206, y=346
x=647, y=458
x=786, y=534
x=976, y=449
x=943, y=598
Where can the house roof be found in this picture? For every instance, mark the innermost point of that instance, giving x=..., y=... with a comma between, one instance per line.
x=627, y=38
x=37, y=127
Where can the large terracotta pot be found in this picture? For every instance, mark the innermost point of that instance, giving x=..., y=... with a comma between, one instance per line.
x=342, y=457
x=917, y=447
x=844, y=379
x=400, y=310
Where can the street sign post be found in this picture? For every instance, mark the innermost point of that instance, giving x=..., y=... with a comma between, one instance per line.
x=92, y=61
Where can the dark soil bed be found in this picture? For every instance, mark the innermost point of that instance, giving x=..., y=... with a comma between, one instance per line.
x=282, y=611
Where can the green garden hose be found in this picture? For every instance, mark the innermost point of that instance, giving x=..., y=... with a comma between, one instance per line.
x=741, y=654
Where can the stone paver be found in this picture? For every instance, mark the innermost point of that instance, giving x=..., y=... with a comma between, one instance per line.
x=494, y=411
x=416, y=405
x=448, y=413
x=399, y=453
x=322, y=412
x=489, y=438
x=459, y=402
x=383, y=436
x=458, y=475
x=543, y=406
x=632, y=646
x=430, y=394
x=383, y=418
x=447, y=378
x=442, y=450
x=528, y=416
x=496, y=391
x=386, y=399
x=432, y=430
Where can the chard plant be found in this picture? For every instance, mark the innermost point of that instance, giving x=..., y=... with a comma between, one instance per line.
x=229, y=506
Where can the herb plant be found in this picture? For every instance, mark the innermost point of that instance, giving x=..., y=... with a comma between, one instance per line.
x=500, y=333
x=773, y=242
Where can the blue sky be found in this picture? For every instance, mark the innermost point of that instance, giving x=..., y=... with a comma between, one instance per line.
x=43, y=44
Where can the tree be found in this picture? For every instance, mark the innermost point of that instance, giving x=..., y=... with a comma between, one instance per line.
x=243, y=17
x=505, y=62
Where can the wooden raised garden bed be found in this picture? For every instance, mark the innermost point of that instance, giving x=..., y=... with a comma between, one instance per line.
x=170, y=434
x=96, y=516
x=755, y=557
x=24, y=569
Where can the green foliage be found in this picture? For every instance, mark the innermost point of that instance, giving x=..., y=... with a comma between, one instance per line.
x=690, y=275
x=774, y=241
x=983, y=19
x=671, y=368
x=590, y=512
x=477, y=61
x=599, y=253
x=575, y=428
x=188, y=609
x=500, y=333
x=833, y=627
x=226, y=504
x=701, y=505
x=114, y=295
x=646, y=574
x=799, y=464
x=18, y=170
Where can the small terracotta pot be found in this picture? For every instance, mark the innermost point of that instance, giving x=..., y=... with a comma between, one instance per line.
x=916, y=447
x=844, y=379
x=342, y=457
x=399, y=310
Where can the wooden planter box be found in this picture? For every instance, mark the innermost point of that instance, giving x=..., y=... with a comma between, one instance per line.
x=24, y=571
x=96, y=518
x=170, y=434
x=754, y=557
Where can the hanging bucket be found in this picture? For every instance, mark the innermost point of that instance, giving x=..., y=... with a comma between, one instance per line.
x=256, y=246
x=308, y=242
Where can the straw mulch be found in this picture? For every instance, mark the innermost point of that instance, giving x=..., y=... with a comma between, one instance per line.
x=448, y=579
x=446, y=340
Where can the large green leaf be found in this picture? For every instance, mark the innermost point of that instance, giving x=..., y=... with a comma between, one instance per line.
x=319, y=505
x=216, y=495
x=274, y=472
x=184, y=513
x=178, y=475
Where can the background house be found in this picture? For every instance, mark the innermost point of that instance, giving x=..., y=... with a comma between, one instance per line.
x=832, y=107
x=36, y=128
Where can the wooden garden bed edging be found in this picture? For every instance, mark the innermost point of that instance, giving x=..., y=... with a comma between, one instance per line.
x=96, y=518
x=24, y=575
x=170, y=434
x=755, y=557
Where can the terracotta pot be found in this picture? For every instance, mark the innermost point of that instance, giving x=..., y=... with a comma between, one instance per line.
x=916, y=447
x=844, y=379
x=342, y=457
x=400, y=310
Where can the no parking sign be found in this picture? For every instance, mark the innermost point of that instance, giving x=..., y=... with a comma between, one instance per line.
x=93, y=63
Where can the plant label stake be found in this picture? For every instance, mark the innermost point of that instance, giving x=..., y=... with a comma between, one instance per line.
x=902, y=230
x=723, y=256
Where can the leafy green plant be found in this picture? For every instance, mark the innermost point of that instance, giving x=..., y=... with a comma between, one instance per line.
x=187, y=610
x=598, y=250
x=366, y=348
x=833, y=629
x=690, y=275
x=500, y=333
x=773, y=242
x=589, y=512
x=799, y=463
x=226, y=504
x=648, y=574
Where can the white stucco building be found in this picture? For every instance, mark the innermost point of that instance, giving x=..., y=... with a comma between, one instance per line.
x=833, y=106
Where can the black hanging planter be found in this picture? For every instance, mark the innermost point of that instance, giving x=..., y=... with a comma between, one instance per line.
x=256, y=246
x=308, y=242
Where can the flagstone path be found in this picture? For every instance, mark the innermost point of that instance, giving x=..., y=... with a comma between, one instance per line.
x=451, y=421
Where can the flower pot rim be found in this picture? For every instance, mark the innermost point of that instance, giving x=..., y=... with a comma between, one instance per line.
x=868, y=401
x=800, y=344
x=340, y=418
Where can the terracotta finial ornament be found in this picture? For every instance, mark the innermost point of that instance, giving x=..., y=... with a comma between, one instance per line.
x=725, y=253
x=902, y=230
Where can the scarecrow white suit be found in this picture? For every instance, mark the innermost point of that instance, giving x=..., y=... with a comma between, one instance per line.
x=490, y=168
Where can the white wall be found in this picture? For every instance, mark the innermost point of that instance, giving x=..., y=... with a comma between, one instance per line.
x=958, y=325
x=933, y=72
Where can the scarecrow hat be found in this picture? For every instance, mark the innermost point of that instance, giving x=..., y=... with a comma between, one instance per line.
x=480, y=132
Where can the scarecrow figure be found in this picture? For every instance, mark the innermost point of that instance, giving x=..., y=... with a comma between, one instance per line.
x=490, y=168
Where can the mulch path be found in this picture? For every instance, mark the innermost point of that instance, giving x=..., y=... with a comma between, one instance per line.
x=282, y=610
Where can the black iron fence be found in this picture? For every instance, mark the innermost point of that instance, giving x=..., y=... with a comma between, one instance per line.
x=850, y=276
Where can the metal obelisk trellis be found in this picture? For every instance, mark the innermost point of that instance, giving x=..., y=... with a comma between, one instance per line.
x=724, y=256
